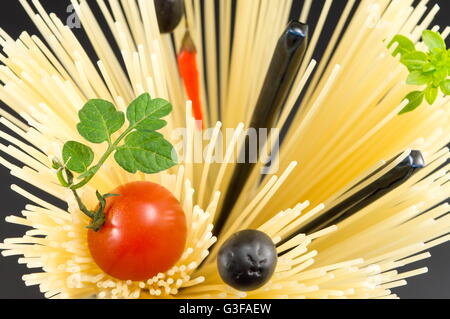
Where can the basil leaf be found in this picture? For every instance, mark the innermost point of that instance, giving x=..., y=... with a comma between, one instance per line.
x=414, y=60
x=99, y=119
x=431, y=94
x=439, y=76
x=147, y=152
x=415, y=99
x=445, y=87
x=405, y=45
x=427, y=67
x=433, y=40
x=418, y=78
x=145, y=114
x=77, y=156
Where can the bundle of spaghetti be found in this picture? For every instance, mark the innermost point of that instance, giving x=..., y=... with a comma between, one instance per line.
x=68, y=269
x=345, y=135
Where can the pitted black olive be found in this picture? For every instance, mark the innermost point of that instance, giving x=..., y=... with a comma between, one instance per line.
x=169, y=13
x=286, y=61
x=247, y=260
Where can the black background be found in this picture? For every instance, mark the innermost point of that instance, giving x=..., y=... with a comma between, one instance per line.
x=13, y=19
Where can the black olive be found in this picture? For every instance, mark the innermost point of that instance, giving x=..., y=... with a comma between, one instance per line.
x=169, y=13
x=284, y=66
x=366, y=195
x=247, y=260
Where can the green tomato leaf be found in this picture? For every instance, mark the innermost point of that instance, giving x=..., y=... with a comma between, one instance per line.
x=445, y=87
x=144, y=114
x=99, y=119
x=418, y=78
x=433, y=40
x=414, y=60
x=147, y=152
x=77, y=156
x=405, y=45
x=431, y=94
x=415, y=99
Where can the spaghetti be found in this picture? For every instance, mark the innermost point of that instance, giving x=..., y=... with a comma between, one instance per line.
x=345, y=137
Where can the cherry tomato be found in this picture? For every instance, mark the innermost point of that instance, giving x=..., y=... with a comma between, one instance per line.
x=144, y=233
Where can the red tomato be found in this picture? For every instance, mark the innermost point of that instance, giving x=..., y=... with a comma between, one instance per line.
x=144, y=233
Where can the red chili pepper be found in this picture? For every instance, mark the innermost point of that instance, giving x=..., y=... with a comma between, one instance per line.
x=187, y=64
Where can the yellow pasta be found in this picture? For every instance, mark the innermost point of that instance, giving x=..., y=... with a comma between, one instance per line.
x=345, y=135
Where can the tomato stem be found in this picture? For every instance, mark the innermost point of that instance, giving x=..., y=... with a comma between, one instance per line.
x=111, y=148
x=67, y=183
x=82, y=207
x=61, y=178
x=80, y=159
x=98, y=217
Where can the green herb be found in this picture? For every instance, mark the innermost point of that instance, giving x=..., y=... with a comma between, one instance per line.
x=77, y=156
x=99, y=119
x=138, y=148
x=150, y=146
x=430, y=68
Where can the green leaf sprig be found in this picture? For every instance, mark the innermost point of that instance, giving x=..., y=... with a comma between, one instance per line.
x=430, y=68
x=138, y=148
